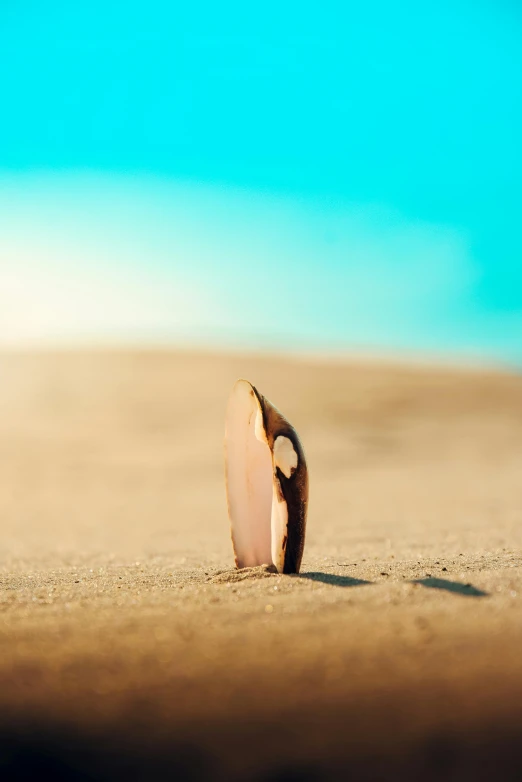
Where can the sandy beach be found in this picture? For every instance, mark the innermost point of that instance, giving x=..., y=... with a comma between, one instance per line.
x=130, y=647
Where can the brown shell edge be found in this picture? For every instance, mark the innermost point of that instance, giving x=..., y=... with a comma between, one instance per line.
x=295, y=488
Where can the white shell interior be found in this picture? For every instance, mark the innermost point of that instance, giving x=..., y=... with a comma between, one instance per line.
x=285, y=456
x=249, y=474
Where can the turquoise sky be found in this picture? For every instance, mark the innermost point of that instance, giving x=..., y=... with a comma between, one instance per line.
x=334, y=174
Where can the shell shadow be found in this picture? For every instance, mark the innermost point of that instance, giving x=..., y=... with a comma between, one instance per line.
x=468, y=590
x=332, y=579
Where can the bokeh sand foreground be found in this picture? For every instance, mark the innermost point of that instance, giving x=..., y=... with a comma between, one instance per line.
x=131, y=649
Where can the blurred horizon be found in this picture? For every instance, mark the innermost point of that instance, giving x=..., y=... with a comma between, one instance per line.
x=331, y=178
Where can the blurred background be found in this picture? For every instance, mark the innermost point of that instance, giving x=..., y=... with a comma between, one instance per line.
x=208, y=191
x=341, y=177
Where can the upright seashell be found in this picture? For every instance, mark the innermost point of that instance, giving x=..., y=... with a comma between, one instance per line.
x=266, y=482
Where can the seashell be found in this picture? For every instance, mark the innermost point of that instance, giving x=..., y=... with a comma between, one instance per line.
x=266, y=482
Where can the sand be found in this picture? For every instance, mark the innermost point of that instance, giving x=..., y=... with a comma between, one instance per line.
x=130, y=648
